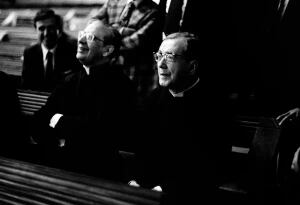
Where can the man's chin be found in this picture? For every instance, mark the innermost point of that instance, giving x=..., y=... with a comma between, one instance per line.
x=80, y=57
x=163, y=83
x=49, y=45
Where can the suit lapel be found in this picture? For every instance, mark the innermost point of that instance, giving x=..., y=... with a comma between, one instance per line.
x=40, y=61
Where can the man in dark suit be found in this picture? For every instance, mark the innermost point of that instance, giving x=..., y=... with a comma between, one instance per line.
x=279, y=54
x=281, y=58
x=183, y=149
x=49, y=61
x=89, y=114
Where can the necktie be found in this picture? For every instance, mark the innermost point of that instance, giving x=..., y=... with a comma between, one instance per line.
x=49, y=67
x=125, y=16
x=173, y=17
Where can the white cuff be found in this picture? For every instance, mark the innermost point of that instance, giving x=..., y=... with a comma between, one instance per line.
x=295, y=165
x=54, y=120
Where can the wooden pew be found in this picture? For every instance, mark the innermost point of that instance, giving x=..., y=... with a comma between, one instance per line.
x=4, y=13
x=28, y=183
x=11, y=58
x=31, y=101
x=42, y=3
x=11, y=50
x=20, y=35
x=253, y=167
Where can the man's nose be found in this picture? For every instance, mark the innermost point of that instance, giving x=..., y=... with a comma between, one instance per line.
x=162, y=62
x=82, y=39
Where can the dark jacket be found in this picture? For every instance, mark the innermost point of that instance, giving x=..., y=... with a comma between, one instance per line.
x=186, y=144
x=96, y=112
x=65, y=63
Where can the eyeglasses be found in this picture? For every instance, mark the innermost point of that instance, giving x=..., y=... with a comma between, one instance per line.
x=89, y=37
x=169, y=57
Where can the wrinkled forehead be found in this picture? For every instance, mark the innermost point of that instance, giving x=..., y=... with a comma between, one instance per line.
x=176, y=46
x=98, y=29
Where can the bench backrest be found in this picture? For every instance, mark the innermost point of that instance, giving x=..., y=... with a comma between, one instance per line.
x=28, y=183
x=31, y=101
x=253, y=165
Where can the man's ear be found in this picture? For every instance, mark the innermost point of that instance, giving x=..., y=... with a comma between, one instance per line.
x=193, y=67
x=58, y=32
x=108, y=50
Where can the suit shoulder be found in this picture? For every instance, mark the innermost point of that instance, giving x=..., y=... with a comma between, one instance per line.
x=3, y=77
x=72, y=76
x=32, y=48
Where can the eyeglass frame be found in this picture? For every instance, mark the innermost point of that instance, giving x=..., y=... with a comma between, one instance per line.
x=166, y=56
x=89, y=36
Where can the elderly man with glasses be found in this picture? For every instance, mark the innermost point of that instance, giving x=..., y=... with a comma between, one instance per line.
x=184, y=146
x=90, y=112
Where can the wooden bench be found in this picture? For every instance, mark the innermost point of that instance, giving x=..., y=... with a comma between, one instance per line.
x=28, y=183
x=31, y=101
x=253, y=165
x=55, y=3
x=20, y=35
x=11, y=65
x=11, y=58
x=11, y=49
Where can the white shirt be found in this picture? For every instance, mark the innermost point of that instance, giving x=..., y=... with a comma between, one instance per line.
x=45, y=51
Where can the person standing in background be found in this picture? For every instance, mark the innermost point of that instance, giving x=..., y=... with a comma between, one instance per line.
x=52, y=58
x=139, y=23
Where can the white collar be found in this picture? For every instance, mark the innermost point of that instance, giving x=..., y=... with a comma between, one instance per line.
x=87, y=69
x=45, y=51
x=181, y=94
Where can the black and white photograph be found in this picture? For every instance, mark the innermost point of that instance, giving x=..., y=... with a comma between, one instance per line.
x=149, y=102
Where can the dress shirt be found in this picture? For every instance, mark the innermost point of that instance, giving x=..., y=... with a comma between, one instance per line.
x=45, y=51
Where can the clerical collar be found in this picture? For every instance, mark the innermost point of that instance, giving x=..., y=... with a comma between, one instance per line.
x=45, y=51
x=87, y=69
x=181, y=94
